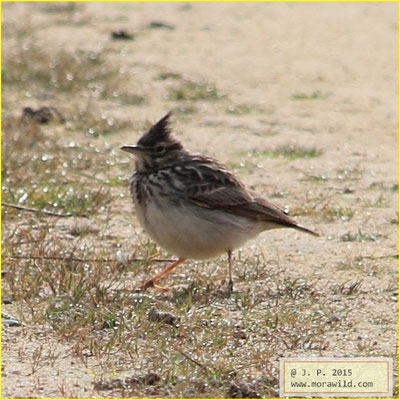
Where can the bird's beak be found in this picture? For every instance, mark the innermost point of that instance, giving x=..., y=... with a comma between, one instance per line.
x=136, y=150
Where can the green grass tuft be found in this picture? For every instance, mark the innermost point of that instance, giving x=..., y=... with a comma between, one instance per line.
x=238, y=109
x=94, y=123
x=289, y=152
x=316, y=95
x=60, y=71
x=361, y=236
x=194, y=91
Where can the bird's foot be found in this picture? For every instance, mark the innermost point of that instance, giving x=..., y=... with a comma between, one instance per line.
x=230, y=287
x=150, y=284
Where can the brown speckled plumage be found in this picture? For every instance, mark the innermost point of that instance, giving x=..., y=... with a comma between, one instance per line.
x=192, y=205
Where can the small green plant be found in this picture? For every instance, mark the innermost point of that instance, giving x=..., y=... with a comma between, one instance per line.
x=361, y=236
x=194, y=91
x=348, y=288
x=378, y=203
x=290, y=152
x=168, y=75
x=54, y=8
x=310, y=96
x=333, y=212
x=314, y=178
x=129, y=99
x=94, y=123
x=239, y=109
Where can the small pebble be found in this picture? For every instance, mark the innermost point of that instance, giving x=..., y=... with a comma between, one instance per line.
x=7, y=320
x=121, y=35
x=160, y=25
x=156, y=316
x=242, y=391
x=42, y=115
x=151, y=378
x=10, y=322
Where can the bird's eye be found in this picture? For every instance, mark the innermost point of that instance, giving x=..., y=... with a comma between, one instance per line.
x=159, y=149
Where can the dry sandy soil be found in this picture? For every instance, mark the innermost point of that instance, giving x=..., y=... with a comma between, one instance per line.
x=299, y=99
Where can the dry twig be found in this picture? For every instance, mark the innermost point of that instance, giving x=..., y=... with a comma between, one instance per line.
x=191, y=359
x=77, y=259
x=36, y=210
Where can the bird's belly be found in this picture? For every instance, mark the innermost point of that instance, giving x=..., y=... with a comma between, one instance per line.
x=189, y=231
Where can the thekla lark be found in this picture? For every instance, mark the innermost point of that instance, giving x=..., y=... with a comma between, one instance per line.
x=192, y=205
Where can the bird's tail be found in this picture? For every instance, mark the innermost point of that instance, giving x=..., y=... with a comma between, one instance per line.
x=303, y=229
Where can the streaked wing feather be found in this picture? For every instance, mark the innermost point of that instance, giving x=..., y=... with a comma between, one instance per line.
x=219, y=189
x=221, y=197
x=235, y=201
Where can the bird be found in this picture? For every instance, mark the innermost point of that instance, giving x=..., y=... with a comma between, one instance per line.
x=192, y=205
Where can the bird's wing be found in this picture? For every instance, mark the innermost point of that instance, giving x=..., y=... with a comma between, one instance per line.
x=212, y=186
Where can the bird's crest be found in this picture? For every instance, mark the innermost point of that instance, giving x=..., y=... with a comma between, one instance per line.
x=160, y=130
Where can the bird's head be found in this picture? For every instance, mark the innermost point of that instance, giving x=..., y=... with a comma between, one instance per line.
x=157, y=147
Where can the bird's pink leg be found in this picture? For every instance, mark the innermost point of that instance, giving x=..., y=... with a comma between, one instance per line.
x=164, y=272
x=230, y=283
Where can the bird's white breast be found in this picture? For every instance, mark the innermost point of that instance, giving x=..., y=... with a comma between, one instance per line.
x=189, y=231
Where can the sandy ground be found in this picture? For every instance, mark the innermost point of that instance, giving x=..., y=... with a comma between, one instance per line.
x=261, y=55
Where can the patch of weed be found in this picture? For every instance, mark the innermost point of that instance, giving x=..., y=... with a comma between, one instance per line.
x=290, y=152
x=130, y=99
x=348, y=288
x=243, y=109
x=349, y=174
x=361, y=236
x=71, y=199
x=61, y=71
x=314, y=178
x=194, y=91
x=40, y=173
x=324, y=208
x=380, y=202
x=333, y=211
x=94, y=123
x=316, y=95
x=239, y=109
x=64, y=7
x=168, y=75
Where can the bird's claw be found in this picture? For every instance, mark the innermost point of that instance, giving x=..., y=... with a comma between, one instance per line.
x=151, y=284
